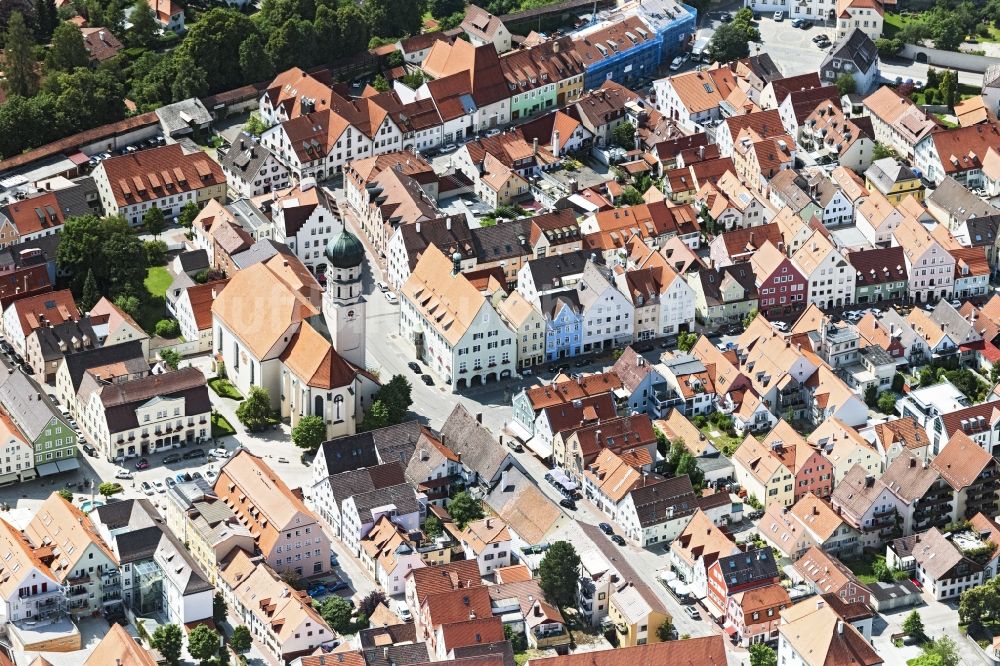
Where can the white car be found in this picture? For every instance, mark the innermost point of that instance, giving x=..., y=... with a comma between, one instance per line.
x=160, y=488
x=492, y=132
x=218, y=453
x=124, y=474
x=780, y=325
x=678, y=62
x=210, y=475
x=391, y=297
x=147, y=489
x=382, y=286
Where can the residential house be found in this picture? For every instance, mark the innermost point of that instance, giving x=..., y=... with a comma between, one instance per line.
x=859, y=15
x=165, y=178
x=483, y=28
x=388, y=555
x=607, y=313
x=85, y=566
x=781, y=287
x=739, y=245
x=529, y=327
x=487, y=541
x=904, y=434
x=763, y=474
x=929, y=266
x=826, y=574
x=574, y=450
x=694, y=99
x=194, y=312
x=843, y=447
x=880, y=274
x=893, y=180
x=33, y=591
x=831, y=279
x=827, y=133
x=696, y=549
x=280, y=618
x=724, y=295
x=958, y=152
x=304, y=219
x=972, y=473
x=810, y=522
x=811, y=633
x=754, y=614
x=288, y=534
x=854, y=54
x=41, y=441
x=732, y=574
x=251, y=169
x=868, y=505
x=937, y=562
x=160, y=411
x=899, y=124
x=25, y=315
x=656, y=510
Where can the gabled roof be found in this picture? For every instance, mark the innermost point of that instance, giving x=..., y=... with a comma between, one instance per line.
x=705, y=651
x=961, y=461
x=464, y=434
x=856, y=47
x=821, y=638
x=157, y=173
x=119, y=648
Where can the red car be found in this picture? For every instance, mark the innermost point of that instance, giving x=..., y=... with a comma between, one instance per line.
x=142, y=464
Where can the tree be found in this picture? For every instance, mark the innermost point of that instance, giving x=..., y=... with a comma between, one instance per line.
x=66, y=494
x=109, y=488
x=19, y=58
x=337, y=612
x=376, y=417
x=171, y=358
x=168, y=641
x=887, y=402
x=846, y=85
x=946, y=31
x=144, y=27
x=750, y=316
x=370, y=602
x=432, y=527
x=881, y=151
x=942, y=652
x=46, y=19
x=393, y=18
x=665, y=632
x=219, y=608
x=203, y=643
x=731, y=41
x=309, y=433
x=380, y=84
x=255, y=412
x=168, y=328
x=91, y=294
x=254, y=63
x=442, y=8
x=397, y=398
x=949, y=88
x=913, y=625
x=153, y=221
x=241, y=641
x=933, y=81
x=624, y=136
x=559, y=574
x=685, y=341
x=67, y=51
x=995, y=372
x=888, y=47
x=189, y=213
x=128, y=304
x=463, y=509
x=762, y=655
x=688, y=465
x=156, y=252
x=871, y=396
x=629, y=197
x=255, y=126
x=107, y=246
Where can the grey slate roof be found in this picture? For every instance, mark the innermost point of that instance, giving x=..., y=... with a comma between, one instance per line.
x=550, y=304
x=181, y=117
x=855, y=47
x=480, y=452
x=193, y=260
x=367, y=449
x=887, y=171
x=711, y=282
x=506, y=240
x=748, y=567
x=260, y=251
x=65, y=332
x=245, y=157
x=595, y=280
x=959, y=202
x=545, y=271
x=28, y=405
x=449, y=234
x=129, y=353
x=401, y=495
x=357, y=481
x=655, y=502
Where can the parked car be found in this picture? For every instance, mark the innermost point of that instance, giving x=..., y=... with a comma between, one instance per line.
x=678, y=62
x=821, y=37
x=618, y=539
x=415, y=367
x=218, y=453
x=448, y=147
x=725, y=17
x=333, y=560
x=391, y=297
x=196, y=475
x=427, y=379
x=194, y=453
x=780, y=325
x=692, y=612
x=171, y=459
x=382, y=286
x=160, y=488
x=210, y=475
x=514, y=445
x=492, y=132
x=124, y=474
x=142, y=463
x=568, y=503
x=337, y=587
x=802, y=23
x=147, y=488
x=607, y=529
x=89, y=450
x=170, y=482
x=779, y=16
x=182, y=477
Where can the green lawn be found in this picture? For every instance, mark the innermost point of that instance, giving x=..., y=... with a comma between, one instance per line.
x=157, y=281
x=726, y=444
x=863, y=570
x=221, y=426
x=894, y=23
x=224, y=388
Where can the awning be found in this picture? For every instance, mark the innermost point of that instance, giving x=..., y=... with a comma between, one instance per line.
x=68, y=465
x=47, y=469
x=730, y=629
x=541, y=449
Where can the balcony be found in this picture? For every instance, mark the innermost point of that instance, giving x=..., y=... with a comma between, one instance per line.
x=77, y=580
x=549, y=637
x=76, y=592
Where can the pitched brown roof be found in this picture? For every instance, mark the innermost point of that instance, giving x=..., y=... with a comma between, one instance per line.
x=961, y=461
x=159, y=172
x=704, y=651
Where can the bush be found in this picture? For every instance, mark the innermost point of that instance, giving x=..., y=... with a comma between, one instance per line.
x=930, y=95
x=168, y=328
x=156, y=252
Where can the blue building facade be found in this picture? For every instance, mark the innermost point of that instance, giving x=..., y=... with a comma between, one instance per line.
x=563, y=324
x=632, y=49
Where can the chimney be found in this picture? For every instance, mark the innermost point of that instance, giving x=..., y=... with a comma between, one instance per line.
x=534, y=146
x=479, y=418
x=555, y=142
x=840, y=626
x=418, y=226
x=447, y=223
x=820, y=603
